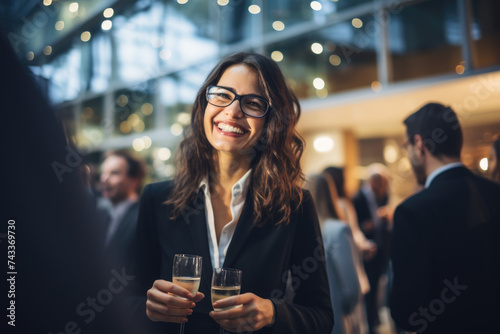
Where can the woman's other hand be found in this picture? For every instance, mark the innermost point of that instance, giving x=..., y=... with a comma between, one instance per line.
x=250, y=313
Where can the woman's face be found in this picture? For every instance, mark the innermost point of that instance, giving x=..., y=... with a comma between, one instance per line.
x=228, y=129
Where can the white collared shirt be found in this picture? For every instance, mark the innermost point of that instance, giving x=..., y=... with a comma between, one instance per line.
x=439, y=170
x=239, y=193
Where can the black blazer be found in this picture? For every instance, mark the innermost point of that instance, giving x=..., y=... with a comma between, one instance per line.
x=445, y=256
x=363, y=212
x=121, y=248
x=264, y=254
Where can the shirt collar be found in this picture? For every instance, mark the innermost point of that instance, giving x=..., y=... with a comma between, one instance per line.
x=440, y=170
x=122, y=206
x=239, y=189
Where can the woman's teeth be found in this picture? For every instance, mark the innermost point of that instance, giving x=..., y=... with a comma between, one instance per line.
x=229, y=128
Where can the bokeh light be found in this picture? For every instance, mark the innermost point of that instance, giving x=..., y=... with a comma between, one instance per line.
x=59, y=25
x=318, y=83
x=316, y=5
x=106, y=24
x=108, y=12
x=254, y=9
x=357, y=23
x=85, y=36
x=277, y=56
x=317, y=48
x=278, y=25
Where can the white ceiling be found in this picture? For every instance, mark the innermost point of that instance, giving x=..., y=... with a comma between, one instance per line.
x=475, y=98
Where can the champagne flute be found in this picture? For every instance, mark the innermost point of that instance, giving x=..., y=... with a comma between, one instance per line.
x=226, y=282
x=186, y=273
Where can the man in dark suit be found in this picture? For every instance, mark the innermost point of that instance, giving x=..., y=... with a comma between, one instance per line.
x=121, y=176
x=444, y=246
x=373, y=215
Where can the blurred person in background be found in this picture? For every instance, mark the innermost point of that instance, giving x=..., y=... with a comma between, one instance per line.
x=493, y=165
x=122, y=175
x=365, y=247
x=374, y=219
x=49, y=215
x=444, y=247
x=342, y=260
x=347, y=213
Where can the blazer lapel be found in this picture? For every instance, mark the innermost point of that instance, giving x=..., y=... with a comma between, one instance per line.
x=194, y=217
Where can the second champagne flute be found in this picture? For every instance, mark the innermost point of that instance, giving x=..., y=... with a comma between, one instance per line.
x=226, y=282
x=186, y=272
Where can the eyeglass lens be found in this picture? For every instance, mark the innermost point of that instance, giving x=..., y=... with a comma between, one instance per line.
x=250, y=105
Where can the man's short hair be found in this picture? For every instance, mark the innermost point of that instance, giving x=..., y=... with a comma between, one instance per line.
x=136, y=168
x=439, y=128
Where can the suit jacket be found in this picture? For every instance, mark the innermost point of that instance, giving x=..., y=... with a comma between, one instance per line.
x=266, y=255
x=380, y=234
x=121, y=248
x=363, y=212
x=445, y=256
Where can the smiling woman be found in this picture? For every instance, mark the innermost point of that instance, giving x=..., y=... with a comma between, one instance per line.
x=237, y=201
x=274, y=154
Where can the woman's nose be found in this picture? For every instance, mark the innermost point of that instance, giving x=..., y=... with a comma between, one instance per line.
x=234, y=110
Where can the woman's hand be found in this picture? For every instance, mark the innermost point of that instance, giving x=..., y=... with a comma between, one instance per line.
x=369, y=249
x=162, y=305
x=250, y=314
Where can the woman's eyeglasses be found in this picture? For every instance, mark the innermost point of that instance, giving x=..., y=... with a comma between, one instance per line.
x=251, y=105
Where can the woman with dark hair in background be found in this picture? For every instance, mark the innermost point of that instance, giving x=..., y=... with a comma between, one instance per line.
x=347, y=213
x=237, y=201
x=341, y=260
x=493, y=165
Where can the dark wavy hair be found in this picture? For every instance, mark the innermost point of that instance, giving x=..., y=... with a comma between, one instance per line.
x=275, y=159
x=337, y=175
x=320, y=190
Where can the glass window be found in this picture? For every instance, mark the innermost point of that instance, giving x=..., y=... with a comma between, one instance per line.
x=177, y=93
x=282, y=14
x=99, y=68
x=161, y=159
x=188, y=33
x=90, y=134
x=165, y=36
x=331, y=60
x=237, y=20
x=486, y=33
x=134, y=56
x=65, y=76
x=425, y=40
x=133, y=112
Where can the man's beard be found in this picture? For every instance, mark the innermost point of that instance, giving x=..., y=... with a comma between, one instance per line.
x=419, y=171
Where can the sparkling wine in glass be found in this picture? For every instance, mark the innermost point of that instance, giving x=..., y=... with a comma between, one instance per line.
x=226, y=282
x=186, y=272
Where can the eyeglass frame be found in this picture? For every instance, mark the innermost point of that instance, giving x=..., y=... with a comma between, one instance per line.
x=239, y=97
